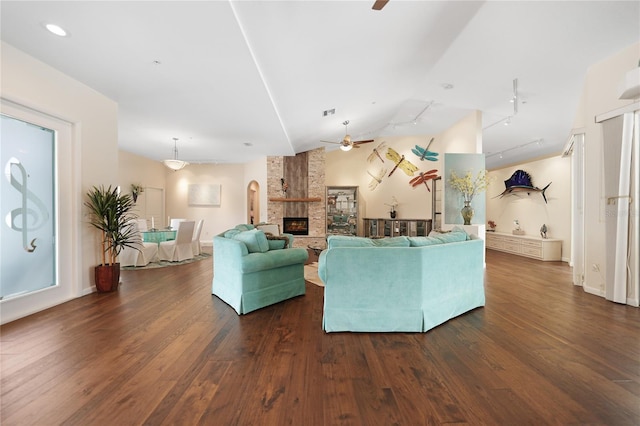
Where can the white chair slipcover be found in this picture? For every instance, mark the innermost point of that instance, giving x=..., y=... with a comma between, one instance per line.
x=142, y=225
x=175, y=223
x=195, y=243
x=180, y=248
x=142, y=254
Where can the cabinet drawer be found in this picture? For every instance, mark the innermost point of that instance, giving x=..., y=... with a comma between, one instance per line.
x=532, y=244
x=512, y=246
x=493, y=243
x=532, y=251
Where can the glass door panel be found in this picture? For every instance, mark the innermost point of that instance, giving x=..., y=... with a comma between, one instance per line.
x=27, y=208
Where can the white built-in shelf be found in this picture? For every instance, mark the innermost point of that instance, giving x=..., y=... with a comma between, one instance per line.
x=525, y=245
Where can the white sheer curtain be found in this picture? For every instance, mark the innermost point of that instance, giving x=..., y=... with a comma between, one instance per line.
x=620, y=136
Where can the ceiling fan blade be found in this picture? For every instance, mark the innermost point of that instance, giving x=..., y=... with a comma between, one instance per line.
x=356, y=143
x=379, y=4
x=335, y=143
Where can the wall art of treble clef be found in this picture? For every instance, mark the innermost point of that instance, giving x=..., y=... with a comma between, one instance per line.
x=24, y=218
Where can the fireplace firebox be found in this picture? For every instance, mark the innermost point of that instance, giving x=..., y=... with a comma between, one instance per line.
x=295, y=225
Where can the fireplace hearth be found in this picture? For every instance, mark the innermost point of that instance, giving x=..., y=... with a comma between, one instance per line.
x=295, y=225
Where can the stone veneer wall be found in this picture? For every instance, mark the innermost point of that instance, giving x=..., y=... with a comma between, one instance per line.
x=316, y=188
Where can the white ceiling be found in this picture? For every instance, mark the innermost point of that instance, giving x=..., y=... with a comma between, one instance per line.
x=262, y=72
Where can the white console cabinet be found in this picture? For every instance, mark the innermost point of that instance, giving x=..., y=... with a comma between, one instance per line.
x=525, y=245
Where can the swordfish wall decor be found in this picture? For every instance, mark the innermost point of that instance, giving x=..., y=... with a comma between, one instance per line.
x=520, y=181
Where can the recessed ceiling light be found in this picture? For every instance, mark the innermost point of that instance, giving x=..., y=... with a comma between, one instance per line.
x=55, y=29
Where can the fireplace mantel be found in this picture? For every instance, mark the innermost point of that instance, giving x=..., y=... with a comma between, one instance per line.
x=296, y=200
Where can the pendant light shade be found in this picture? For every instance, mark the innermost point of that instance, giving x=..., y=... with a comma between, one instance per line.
x=175, y=164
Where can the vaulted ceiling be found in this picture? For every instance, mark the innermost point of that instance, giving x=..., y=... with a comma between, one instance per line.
x=234, y=81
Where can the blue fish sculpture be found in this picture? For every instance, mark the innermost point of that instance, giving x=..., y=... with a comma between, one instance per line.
x=520, y=181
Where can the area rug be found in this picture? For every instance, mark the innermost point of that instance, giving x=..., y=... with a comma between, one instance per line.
x=165, y=263
x=311, y=274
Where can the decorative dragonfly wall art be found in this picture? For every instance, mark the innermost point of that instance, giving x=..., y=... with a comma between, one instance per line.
x=376, y=152
x=376, y=178
x=400, y=162
x=423, y=178
x=424, y=153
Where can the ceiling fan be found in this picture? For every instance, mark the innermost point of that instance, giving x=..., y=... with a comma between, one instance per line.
x=379, y=4
x=346, y=143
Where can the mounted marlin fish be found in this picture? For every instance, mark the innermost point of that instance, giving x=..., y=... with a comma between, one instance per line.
x=520, y=181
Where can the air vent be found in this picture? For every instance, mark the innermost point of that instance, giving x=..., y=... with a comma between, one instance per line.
x=328, y=112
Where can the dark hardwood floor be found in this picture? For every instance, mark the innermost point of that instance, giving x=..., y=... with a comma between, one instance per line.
x=162, y=350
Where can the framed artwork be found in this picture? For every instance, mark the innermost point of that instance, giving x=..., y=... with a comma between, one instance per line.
x=206, y=195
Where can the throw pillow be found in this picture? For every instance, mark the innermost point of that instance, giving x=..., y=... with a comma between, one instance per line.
x=255, y=240
x=269, y=228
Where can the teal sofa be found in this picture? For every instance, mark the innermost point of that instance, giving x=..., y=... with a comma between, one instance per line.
x=409, y=284
x=251, y=271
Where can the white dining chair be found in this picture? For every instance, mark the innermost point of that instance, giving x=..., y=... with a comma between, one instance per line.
x=179, y=249
x=195, y=243
x=175, y=222
x=141, y=254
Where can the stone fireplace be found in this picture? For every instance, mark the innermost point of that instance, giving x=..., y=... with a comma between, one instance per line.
x=305, y=195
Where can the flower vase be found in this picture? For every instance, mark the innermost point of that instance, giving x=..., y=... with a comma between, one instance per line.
x=467, y=212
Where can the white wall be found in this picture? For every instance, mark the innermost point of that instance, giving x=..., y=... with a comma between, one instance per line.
x=600, y=95
x=350, y=169
x=232, y=209
x=134, y=169
x=531, y=210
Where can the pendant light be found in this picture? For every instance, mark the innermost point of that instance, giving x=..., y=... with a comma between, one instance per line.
x=175, y=164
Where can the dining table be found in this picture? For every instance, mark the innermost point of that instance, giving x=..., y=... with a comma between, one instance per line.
x=158, y=236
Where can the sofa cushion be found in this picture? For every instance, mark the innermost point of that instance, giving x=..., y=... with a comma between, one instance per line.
x=231, y=232
x=350, y=241
x=244, y=227
x=424, y=241
x=392, y=242
x=451, y=237
x=276, y=244
x=255, y=240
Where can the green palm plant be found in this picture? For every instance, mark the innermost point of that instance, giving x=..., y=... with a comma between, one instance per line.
x=110, y=212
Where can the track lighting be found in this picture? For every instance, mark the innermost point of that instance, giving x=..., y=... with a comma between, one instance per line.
x=500, y=154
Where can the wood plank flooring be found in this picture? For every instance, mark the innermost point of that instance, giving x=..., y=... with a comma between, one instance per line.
x=163, y=351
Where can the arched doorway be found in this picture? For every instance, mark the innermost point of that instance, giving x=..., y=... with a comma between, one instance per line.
x=253, y=202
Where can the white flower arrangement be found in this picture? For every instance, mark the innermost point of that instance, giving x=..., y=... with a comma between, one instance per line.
x=468, y=185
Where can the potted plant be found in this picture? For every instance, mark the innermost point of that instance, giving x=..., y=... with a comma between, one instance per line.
x=110, y=212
